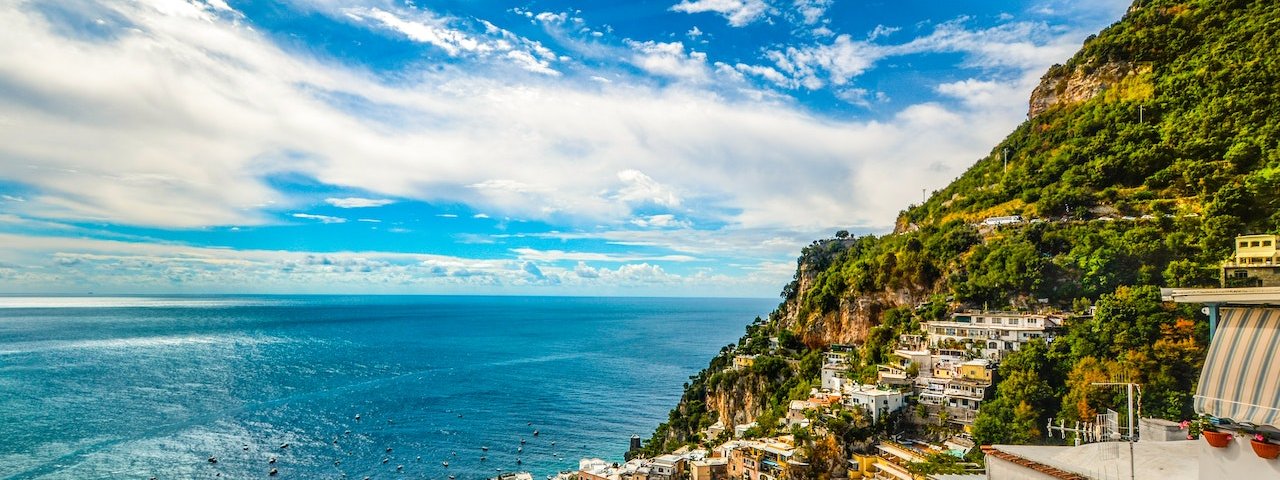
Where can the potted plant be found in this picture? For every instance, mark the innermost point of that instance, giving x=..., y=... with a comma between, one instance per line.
x=1205, y=428
x=1263, y=448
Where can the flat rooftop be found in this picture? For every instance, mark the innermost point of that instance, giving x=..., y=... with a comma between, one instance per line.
x=1177, y=460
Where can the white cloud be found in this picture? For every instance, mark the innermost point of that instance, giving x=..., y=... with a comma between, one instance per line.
x=320, y=218
x=693, y=32
x=739, y=13
x=640, y=188
x=561, y=255
x=811, y=11
x=548, y=17
x=882, y=31
x=665, y=220
x=531, y=63
x=1019, y=45
x=579, y=152
x=357, y=202
x=670, y=60
x=426, y=29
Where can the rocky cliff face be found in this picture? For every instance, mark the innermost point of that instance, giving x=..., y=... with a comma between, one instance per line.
x=738, y=402
x=1063, y=86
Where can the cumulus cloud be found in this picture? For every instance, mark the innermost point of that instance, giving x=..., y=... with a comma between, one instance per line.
x=739, y=13
x=670, y=60
x=357, y=202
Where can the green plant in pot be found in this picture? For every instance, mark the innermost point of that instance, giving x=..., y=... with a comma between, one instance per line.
x=1205, y=427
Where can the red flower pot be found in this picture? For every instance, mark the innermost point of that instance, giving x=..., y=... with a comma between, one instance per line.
x=1216, y=439
x=1265, y=450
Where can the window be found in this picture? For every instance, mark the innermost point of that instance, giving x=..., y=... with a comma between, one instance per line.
x=1253, y=244
x=1013, y=321
x=1266, y=243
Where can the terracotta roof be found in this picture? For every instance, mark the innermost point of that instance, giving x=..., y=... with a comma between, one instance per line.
x=1037, y=466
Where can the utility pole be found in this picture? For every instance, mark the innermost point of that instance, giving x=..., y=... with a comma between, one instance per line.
x=1006, y=159
x=1139, y=113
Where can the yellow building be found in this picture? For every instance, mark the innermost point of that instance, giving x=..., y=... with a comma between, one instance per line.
x=1256, y=262
x=976, y=370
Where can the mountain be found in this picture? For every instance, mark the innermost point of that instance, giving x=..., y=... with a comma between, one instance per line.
x=1142, y=157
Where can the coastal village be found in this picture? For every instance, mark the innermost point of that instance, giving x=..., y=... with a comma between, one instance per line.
x=938, y=379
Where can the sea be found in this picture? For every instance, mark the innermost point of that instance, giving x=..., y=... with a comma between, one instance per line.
x=342, y=386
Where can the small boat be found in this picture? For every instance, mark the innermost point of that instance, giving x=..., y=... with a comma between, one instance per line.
x=388, y=449
x=522, y=441
x=519, y=449
x=483, y=458
x=213, y=459
x=445, y=463
x=535, y=433
x=399, y=467
x=273, y=472
x=518, y=461
x=284, y=445
x=451, y=477
x=272, y=461
x=357, y=417
x=485, y=448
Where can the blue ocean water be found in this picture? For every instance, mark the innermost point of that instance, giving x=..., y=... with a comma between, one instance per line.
x=130, y=387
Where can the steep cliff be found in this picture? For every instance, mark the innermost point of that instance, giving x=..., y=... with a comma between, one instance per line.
x=1142, y=157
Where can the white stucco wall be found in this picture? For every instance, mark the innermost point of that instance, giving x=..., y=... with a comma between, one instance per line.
x=1235, y=461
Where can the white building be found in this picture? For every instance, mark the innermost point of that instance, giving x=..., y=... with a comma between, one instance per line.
x=992, y=333
x=875, y=401
x=833, y=377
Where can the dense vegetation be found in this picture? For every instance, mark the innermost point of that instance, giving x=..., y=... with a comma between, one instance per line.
x=1142, y=186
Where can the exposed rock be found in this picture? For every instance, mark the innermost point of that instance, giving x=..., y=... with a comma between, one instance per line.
x=1061, y=86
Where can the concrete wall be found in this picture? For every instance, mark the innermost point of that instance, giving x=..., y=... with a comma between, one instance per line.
x=1160, y=430
x=1235, y=461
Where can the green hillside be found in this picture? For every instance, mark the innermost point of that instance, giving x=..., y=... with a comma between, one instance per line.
x=1139, y=182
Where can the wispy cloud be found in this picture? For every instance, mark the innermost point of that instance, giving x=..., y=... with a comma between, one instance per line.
x=357, y=202
x=320, y=218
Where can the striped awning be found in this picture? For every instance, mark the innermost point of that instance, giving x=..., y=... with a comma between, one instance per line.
x=1241, y=375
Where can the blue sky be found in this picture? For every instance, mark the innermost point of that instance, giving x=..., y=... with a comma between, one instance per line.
x=676, y=147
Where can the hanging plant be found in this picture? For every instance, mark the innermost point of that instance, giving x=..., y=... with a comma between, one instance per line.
x=1263, y=448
